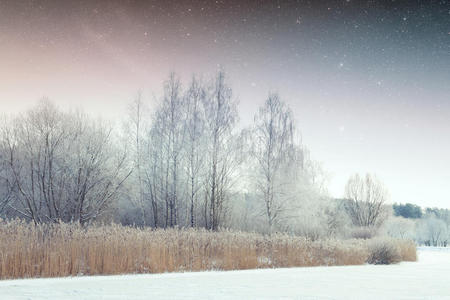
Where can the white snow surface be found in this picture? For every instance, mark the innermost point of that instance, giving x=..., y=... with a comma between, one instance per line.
x=429, y=278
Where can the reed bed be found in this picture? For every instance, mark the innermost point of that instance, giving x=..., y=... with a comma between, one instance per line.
x=56, y=250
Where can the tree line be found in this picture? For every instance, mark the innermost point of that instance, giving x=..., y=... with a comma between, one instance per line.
x=428, y=226
x=183, y=161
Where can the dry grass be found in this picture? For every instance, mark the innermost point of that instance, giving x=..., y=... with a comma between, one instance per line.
x=53, y=250
x=407, y=250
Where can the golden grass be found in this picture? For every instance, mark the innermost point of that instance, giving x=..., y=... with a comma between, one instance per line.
x=54, y=250
x=407, y=249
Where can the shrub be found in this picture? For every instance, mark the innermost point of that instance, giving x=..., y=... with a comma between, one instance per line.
x=363, y=232
x=383, y=252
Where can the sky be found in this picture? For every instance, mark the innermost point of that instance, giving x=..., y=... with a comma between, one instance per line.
x=368, y=81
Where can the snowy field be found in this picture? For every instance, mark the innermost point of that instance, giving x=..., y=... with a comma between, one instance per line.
x=429, y=278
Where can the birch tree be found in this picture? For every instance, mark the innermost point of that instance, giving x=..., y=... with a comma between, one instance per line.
x=137, y=129
x=221, y=118
x=168, y=130
x=274, y=153
x=195, y=144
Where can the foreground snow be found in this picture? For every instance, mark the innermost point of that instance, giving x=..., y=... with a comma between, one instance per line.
x=426, y=279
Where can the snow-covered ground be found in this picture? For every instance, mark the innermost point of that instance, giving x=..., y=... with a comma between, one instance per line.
x=429, y=278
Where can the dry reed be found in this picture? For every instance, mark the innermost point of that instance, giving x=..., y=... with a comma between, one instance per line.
x=54, y=250
x=407, y=249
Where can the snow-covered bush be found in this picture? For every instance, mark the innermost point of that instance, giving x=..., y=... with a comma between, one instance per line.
x=383, y=252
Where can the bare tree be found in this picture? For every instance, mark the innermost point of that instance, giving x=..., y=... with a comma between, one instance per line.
x=367, y=197
x=221, y=118
x=6, y=183
x=33, y=142
x=433, y=231
x=136, y=112
x=97, y=170
x=195, y=130
x=61, y=165
x=168, y=130
x=400, y=228
x=153, y=170
x=274, y=152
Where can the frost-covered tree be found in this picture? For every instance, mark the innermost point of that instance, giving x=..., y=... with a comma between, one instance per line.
x=188, y=153
x=135, y=136
x=195, y=147
x=399, y=227
x=433, y=231
x=62, y=166
x=6, y=182
x=367, y=197
x=273, y=151
x=168, y=131
x=221, y=118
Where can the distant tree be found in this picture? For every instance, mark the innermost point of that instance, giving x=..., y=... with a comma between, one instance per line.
x=440, y=213
x=367, y=197
x=407, y=210
x=400, y=227
x=433, y=231
x=435, y=227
